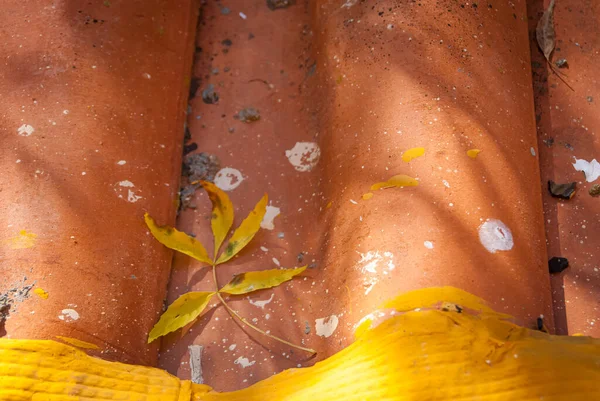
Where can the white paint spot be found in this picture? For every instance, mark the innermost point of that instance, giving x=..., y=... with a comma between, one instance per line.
x=196, y=363
x=428, y=244
x=368, y=264
x=267, y=316
x=242, y=15
x=264, y=249
x=25, y=130
x=121, y=162
x=353, y=202
x=146, y=75
x=126, y=185
x=232, y=347
x=326, y=326
x=495, y=236
x=261, y=304
x=271, y=213
x=349, y=3
x=590, y=169
x=304, y=156
x=532, y=150
x=65, y=112
x=132, y=197
x=276, y=261
x=68, y=315
x=243, y=362
x=228, y=179
x=446, y=183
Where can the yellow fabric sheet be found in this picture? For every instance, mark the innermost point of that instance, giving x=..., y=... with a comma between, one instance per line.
x=437, y=353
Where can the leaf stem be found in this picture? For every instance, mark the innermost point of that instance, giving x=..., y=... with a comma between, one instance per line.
x=247, y=323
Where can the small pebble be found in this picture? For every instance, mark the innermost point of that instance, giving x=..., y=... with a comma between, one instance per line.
x=557, y=264
x=595, y=190
x=562, y=63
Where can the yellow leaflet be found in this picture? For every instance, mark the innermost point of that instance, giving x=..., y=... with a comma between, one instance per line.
x=41, y=293
x=222, y=213
x=23, y=240
x=246, y=231
x=396, y=181
x=185, y=309
x=174, y=239
x=78, y=343
x=412, y=154
x=253, y=281
x=472, y=153
x=328, y=205
x=367, y=196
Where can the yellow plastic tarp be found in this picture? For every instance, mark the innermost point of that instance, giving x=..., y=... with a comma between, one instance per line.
x=438, y=353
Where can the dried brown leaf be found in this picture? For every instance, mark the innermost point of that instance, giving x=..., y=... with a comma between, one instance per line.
x=545, y=31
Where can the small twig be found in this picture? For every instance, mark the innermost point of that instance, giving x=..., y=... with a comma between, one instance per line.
x=262, y=81
x=558, y=75
x=247, y=323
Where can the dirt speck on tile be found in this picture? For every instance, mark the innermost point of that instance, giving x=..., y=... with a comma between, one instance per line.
x=209, y=96
x=248, y=115
x=10, y=298
x=277, y=4
x=196, y=167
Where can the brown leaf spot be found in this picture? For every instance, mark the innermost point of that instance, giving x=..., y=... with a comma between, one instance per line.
x=237, y=278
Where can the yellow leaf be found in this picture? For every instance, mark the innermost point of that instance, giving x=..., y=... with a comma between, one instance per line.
x=412, y=154
x=367, y=196
x=222, y=213
x=41, y=293
x=174, y=239
x=396, y=181
x=246, y=231
x=253, y=281
x=472, y=153
x=78, y=343
x=185, y=309
x=328, y=205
